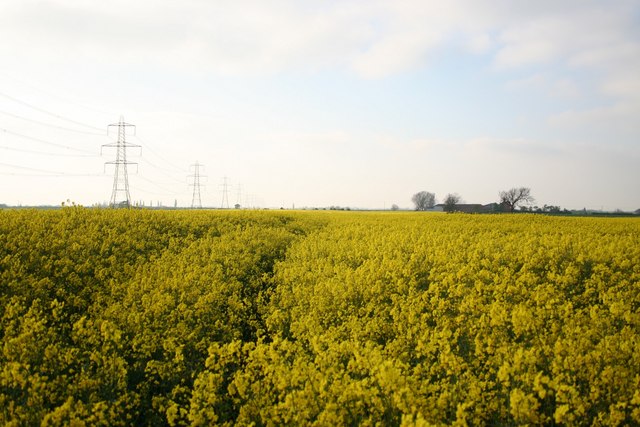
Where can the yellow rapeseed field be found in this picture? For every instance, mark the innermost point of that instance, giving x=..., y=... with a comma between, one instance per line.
x=121, y=317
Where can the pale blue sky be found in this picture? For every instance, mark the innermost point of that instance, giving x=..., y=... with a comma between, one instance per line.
x=353, y=103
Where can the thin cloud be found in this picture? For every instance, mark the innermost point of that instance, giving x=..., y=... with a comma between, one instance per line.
x=622, y=116
x=560, y=88
x=374, y=39
x=522, y=148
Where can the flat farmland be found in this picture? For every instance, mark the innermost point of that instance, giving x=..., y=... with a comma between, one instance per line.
x=121, y=317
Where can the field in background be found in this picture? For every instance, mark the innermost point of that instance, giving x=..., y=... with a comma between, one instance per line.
x=120, y=317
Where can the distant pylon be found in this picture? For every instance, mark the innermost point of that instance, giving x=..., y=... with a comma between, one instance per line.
x=120, y=196
x=239, y=198
x=196, y=201
x=225, y=194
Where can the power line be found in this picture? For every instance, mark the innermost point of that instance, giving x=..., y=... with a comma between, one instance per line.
x=162, y=170
x=158, y=185
x=168, y=162
x=51, y=125
x=43, y=153
x=43, y=171
x=42, y=141
x=53, y=95
x=42, y=110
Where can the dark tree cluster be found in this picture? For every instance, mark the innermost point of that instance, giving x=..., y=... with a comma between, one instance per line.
x=424, y=200
x=515, y=197
x=509, y=201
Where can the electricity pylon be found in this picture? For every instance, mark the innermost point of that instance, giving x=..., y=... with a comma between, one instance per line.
x=196, y=201
x=239, y=198
x=120, y=196
x=225, y=194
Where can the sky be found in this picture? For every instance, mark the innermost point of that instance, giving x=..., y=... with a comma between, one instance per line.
x=348, y=103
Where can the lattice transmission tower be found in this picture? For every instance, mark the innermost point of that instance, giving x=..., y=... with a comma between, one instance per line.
x=239, y=196
x=196, y=200
x=225, y=194
x=120, y=196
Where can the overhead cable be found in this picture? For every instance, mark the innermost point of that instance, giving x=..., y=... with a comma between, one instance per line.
x=52, y=125
x=42, y=171
x=168, y=162
x=42, y=141
x=42, y=110
x=53, y=95
x=43, y=153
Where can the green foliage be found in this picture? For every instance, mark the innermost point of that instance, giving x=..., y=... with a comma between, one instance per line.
x=114, y=317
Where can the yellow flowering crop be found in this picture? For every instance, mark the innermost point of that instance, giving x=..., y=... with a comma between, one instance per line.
x=120, y=317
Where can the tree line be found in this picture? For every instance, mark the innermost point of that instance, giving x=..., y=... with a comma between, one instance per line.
x=509, y=200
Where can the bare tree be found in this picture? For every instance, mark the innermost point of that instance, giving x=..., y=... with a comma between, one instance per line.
x=424, y=200
x=516, y=196
x=450, y=202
